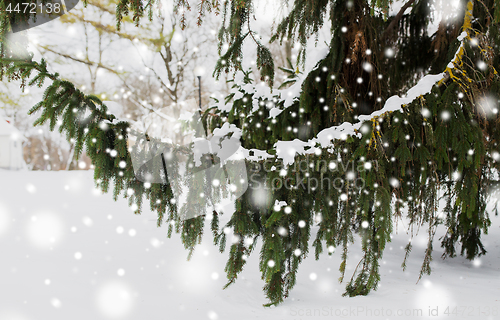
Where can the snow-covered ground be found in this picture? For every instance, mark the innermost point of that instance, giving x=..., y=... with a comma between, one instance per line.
x=69, y=252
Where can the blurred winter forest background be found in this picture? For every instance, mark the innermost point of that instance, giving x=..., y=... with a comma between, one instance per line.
x=149, y=73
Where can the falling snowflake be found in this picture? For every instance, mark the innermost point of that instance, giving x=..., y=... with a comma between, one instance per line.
x=155, y=242
x=45, y=230
x=282, y=231
x=212, y=315
x=445, y=115
x=4, y=219
x=30, y=188
x=456, y=176
x=482, y=65
x=426, y=113
x=394, y=182
x=114, y=299
x=56, y=303
x=495, y=155
x=367, y=66
x=389, y=52
x=476, y=262
x=87, y=221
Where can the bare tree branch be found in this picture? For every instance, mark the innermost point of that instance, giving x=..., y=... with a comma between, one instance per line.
x=87, y=62
x=396, y=19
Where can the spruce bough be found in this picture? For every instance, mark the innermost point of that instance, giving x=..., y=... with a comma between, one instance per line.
x=442, y=145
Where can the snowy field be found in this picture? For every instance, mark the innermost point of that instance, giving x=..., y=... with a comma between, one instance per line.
x=71, y=253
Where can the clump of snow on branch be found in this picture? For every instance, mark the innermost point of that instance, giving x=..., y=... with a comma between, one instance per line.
x=286, y=150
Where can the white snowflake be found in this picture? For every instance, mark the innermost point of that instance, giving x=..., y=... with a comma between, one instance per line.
x=282, y=231
x=56, y=303
x=389, y=52
x=367, y=66
x=394, y=182
x=212, y=315
x=114, y=299
x=482, y=65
